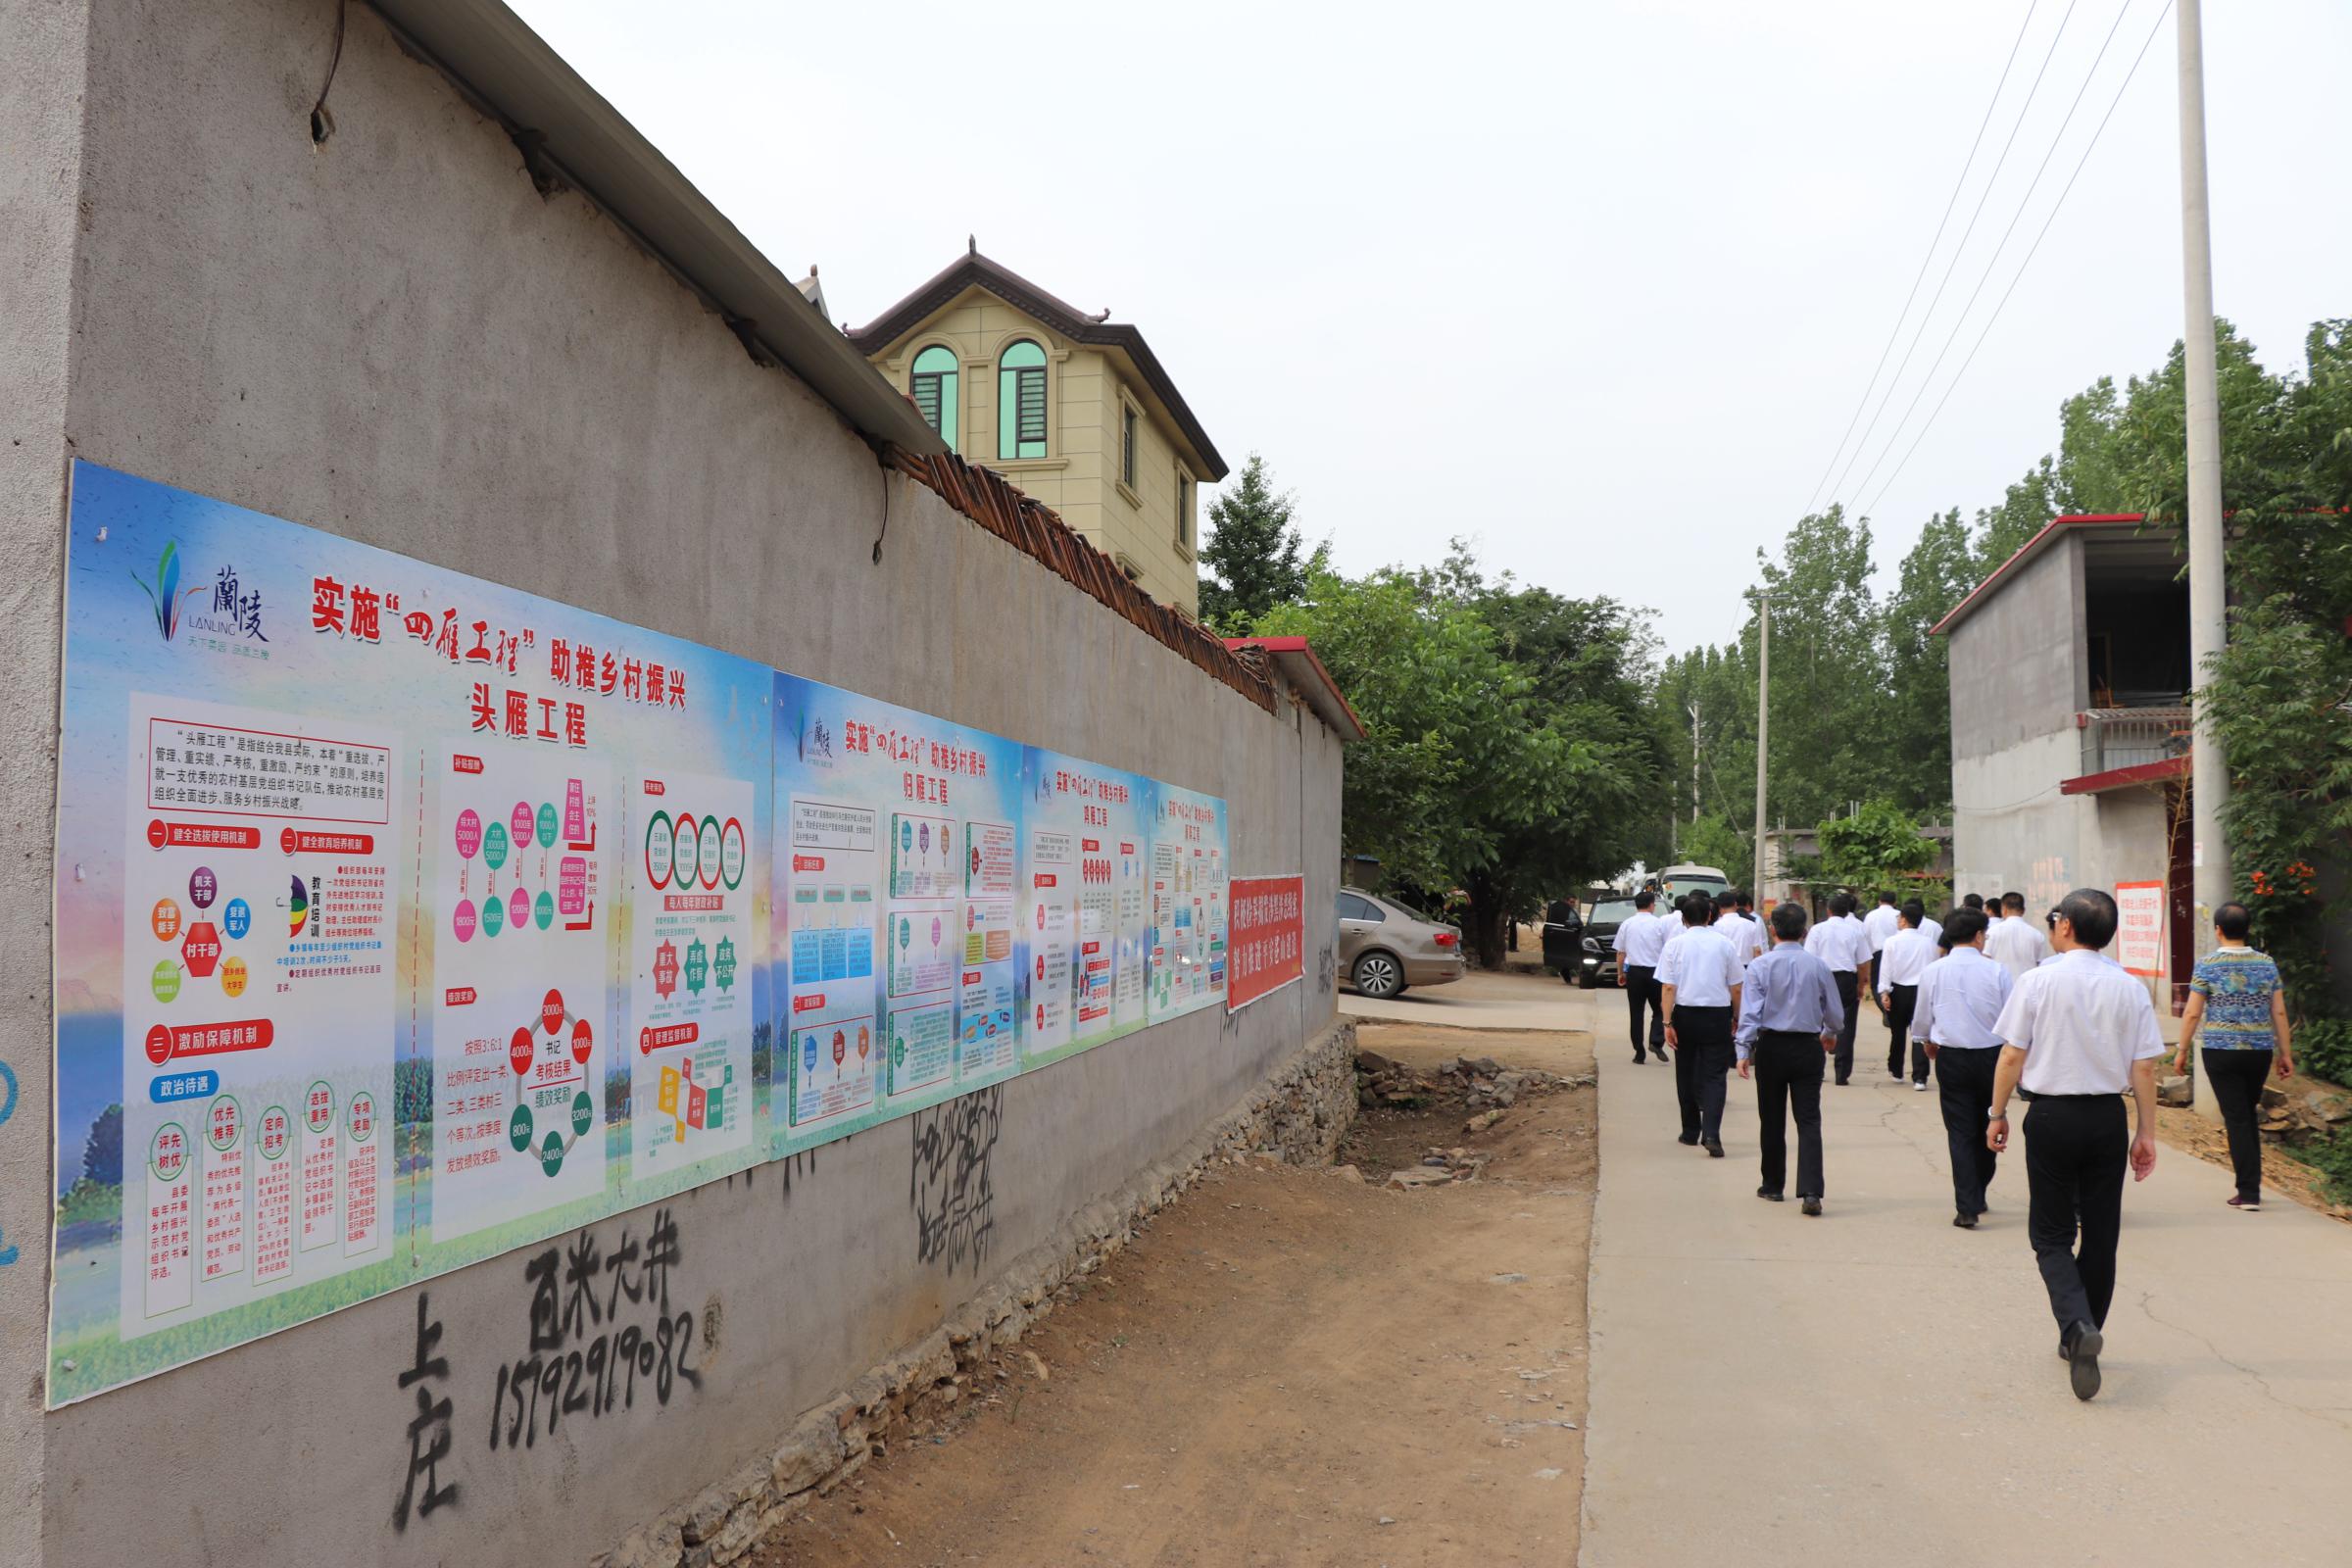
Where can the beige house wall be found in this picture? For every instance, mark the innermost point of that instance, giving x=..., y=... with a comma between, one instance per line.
x=1086, y=391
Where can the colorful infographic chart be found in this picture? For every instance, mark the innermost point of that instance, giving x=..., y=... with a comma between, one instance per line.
x=693, y=888
x=412, y=918
x=895, y=948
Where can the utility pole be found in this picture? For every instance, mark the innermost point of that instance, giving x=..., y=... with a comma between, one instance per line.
x=1694, y=761
x=2209, y=772
x=1763, y=728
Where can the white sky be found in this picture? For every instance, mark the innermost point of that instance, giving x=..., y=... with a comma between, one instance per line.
x=1597, y=284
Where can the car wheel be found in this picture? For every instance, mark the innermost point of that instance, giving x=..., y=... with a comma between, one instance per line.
x=1587, y=979
x=1379, y=976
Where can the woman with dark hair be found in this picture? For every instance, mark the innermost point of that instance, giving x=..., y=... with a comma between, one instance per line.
x=2236, y=998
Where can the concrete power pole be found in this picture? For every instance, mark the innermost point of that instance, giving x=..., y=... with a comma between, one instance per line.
x=1693, y=761
x=1763, y=730
x=2209, y=772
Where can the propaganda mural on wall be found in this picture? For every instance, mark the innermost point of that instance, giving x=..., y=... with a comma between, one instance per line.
x=426, y=920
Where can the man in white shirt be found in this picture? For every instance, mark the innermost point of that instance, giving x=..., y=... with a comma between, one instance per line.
x=1961, y=996
x=1902, y=966
x=1881, y=923
x=1842, y=943
x=2012, y=942
x=2076, y=1034
x=1745, y=936
x=1698, y=982
x=1641, y=936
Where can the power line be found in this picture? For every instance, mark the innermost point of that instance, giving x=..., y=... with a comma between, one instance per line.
x=1944, y=282
x=1994, y=259
x=2026, y=262
x=1950, y=202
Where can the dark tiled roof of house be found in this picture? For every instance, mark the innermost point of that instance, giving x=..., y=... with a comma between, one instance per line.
x=975, y=269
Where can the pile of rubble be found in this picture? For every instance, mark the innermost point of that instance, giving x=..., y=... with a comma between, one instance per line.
x=2287, y=1114
x=1480, y=1082
x=1440, y=1167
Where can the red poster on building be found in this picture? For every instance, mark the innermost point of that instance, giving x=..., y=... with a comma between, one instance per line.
x=1268, y=916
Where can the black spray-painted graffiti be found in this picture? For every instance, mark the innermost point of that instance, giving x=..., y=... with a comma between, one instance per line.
x=429, y=1429
x=949, y=1187
x=584, y=1359
x=1327, y=970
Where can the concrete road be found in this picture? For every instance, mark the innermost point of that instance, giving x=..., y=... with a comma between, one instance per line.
x=1508, y=998
x=1875, y=1387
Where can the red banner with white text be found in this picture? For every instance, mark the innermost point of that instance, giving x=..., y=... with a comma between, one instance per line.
x=1267, y=938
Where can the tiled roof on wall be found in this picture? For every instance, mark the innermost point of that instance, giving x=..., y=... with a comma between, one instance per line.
x=1034, y=528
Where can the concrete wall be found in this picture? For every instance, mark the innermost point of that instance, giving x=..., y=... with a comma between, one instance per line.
x=41, y=129
x=395, y=338
x=2018, y=662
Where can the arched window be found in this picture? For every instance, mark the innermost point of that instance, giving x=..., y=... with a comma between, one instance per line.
x=1021, y=402
x=934, y=389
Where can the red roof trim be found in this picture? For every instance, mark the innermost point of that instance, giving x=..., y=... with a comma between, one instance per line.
x=1299, y=661
x=2030, y=548
x=2117, y=778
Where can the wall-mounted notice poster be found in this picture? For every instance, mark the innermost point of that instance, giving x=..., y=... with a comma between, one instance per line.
x=2139, y=927
x=894, y=948
x=1081, y=904
x=1188, y=901
x=349, y=904
x=1266, y=941
x=403, y=919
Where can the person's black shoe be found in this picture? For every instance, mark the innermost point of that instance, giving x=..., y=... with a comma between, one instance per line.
x=1812, y=1206
x=1639, y=1058
x=1714, y=1149
x=1690, y=1139
x=2082, y=1360
x=1843, y=1081
x=1966, y=1222
x=1769, y=1196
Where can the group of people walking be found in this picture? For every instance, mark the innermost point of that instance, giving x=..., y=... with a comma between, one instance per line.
x=1998, y=1010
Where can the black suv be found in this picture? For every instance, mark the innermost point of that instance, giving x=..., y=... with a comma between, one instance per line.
x=1566, y=952
x=1600, y=939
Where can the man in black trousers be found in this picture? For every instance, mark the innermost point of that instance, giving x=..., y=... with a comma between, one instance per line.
x=1698, y=981
x=2076, y=1034
x=1641, y=937
x=1961, y=996
x=1790, y=1013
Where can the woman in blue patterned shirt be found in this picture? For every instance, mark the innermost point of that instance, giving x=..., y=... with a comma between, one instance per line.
x=2235, y=996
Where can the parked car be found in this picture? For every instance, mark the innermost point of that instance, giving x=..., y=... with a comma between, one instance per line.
x=1564, y=950
x=1386, y=948
x=1600, y=940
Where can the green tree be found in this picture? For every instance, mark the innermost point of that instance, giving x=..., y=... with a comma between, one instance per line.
x=1254, y=559
x=1509, y=747
x=1879, y=848
x=1713, y=841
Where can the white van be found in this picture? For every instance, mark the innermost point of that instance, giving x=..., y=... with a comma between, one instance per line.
x=1677, y=880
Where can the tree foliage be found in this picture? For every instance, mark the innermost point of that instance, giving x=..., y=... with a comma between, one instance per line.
x=1510, y=752
x=1876, y=848
x=1254, y=558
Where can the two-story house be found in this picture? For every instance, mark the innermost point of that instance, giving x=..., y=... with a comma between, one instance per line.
x=2070, y=675
x=1076, y=409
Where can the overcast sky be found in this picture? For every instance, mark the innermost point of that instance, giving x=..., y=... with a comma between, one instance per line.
x=1598, y=284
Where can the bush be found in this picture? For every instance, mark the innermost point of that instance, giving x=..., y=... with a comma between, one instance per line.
x=2324, y=1050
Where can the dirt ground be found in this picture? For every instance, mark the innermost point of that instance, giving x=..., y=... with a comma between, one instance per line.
x=2281, y=1172
x=1287, y=1367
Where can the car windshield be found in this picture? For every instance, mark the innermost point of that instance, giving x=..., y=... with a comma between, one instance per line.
x=1612, y=912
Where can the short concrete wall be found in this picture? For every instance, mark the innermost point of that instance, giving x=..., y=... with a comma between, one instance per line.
x=395, y=337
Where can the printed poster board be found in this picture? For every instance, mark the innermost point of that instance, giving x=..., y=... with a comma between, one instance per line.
x=2139, y=927
x=405, y=919
x=1268, y=936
